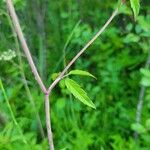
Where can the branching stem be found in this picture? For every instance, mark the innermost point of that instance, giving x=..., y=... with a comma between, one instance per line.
x=83, y=50
x=47, y=92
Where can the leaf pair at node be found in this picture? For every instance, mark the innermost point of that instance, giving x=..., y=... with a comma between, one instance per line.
x=74, y=88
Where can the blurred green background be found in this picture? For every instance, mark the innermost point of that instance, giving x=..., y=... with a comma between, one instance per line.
x=55, y=31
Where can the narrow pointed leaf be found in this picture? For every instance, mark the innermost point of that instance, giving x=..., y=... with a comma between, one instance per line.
x=81, y=73
x=135, y=5
x=78, y=92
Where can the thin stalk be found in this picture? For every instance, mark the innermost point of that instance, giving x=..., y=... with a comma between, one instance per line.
x=69, y=65
x=83, y=50
x=77, y=56
x=12, y=114
x=48, y=122
x=68, y=41
x=65, y=50
x=141, y=98
x=31, y=63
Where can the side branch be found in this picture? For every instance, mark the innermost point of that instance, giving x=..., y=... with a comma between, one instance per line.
x=83, y=50
x=24, y=44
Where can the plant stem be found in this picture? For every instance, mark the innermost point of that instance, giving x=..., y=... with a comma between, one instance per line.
x=12, y=114
x=83, y=50
x=141, y=98
x=48, y=122
x=65, y=47
x=24, y=44
x=66, y=69
x=34, y=70
x=68, y=41
x=33, y=67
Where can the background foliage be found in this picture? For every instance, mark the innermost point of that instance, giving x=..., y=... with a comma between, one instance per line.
x=115, y=59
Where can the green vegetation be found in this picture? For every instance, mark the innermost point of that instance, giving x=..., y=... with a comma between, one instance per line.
x=112, y=76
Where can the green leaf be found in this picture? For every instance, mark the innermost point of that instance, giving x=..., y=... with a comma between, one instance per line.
x=131, y=38
x=64, y=149
x=78, y=92
x=147, y=124
x=145, y=81
x=135, y=5
x=81, y=73
x=145, y=72
x=54, y=76
x=138, y=128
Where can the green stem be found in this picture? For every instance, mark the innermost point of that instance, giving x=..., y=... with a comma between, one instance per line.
x=68, y=41
x=11, y=113
x=65, y=50
x=64, y=58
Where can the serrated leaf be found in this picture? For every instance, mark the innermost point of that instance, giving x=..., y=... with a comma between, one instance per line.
x=78, y=92
x=145, y=72
x=135, y=5
x=81, y=73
